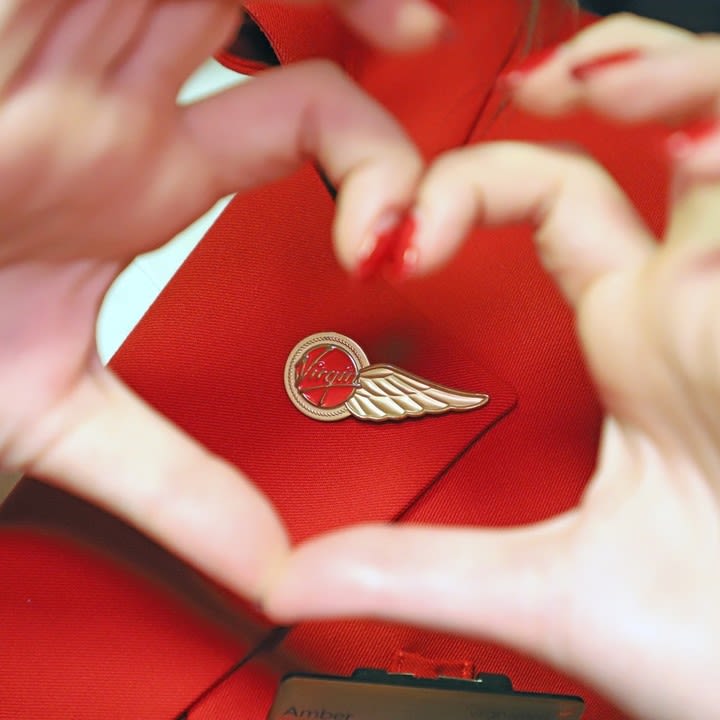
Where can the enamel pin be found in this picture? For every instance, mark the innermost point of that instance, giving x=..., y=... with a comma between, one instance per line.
x=328, y=377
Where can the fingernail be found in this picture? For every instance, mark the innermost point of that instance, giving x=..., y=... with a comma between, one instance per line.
x=405, y=256
x=510, y=79
x=585, y=70
x=422, y=21
x=683, y=142
x=378, y=245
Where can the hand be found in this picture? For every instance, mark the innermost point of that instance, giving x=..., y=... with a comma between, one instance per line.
x=623, y=590
x=97, y=164
x=634, y=70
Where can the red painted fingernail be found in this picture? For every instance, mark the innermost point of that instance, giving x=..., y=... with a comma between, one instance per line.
x=686, y=140
x=405, y=257
x=379, y=247
x=585, y=70
x=510, y=79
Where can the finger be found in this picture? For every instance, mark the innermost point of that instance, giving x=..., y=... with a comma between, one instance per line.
x=88, y=35
x=23, y=24
x=175, y=39
x=664, y=316
x=696, y=150
x=103, y=443
x=667, y=84
x=266, y=129
x=508, y=585
x=626, y=44
x=393, y=24
x=695, y=219
x=585, y=226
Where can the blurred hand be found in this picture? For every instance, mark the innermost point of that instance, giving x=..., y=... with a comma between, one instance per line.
x=634, y=70
x=623, y=590
x=394, y=24
x=97, y=164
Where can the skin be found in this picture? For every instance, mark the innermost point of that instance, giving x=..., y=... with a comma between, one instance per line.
x=97, y=164
x=623, y=590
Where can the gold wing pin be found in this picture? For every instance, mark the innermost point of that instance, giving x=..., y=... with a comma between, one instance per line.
x=328, y=377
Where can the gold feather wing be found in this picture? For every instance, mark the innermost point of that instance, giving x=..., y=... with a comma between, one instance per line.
x=387, y=393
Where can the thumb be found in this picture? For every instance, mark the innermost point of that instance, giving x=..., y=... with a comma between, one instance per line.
x=105, y=444
x=506, y=585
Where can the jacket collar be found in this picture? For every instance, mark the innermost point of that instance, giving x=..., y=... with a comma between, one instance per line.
x=440, y=94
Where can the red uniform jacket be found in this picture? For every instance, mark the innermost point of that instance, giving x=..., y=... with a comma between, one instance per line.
x=103, y=624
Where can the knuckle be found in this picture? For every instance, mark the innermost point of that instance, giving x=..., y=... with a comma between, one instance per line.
x=321, y=69
x=618, y=23
x=582, y=169
x=626, y=27
x=625, y=22
x=626, y=19
x=450, y=162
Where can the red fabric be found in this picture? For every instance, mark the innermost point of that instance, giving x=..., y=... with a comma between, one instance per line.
x=319, y=476
x=210, y=355
x=84, y=638
x=439, y=95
